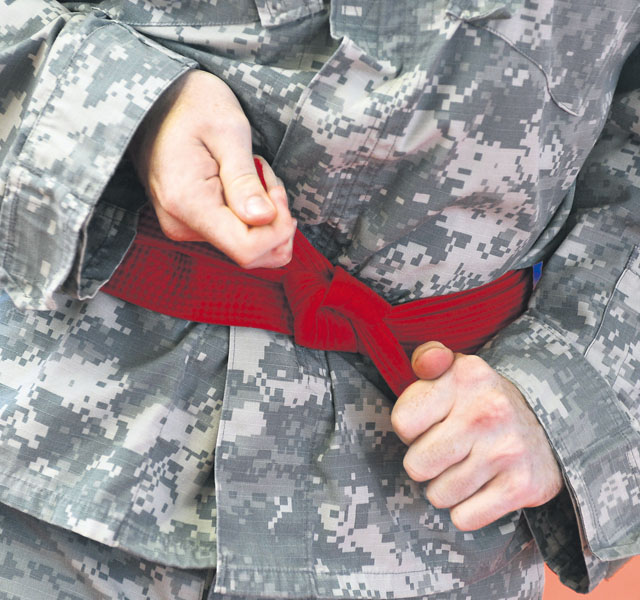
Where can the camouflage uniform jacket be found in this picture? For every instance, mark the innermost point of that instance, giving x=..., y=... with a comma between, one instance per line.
x=427, y=147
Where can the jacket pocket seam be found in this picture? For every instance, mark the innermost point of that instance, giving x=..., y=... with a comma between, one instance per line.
x=520, y=51
x=634, y=257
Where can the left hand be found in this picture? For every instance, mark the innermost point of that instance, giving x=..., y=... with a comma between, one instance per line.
x=472, y=434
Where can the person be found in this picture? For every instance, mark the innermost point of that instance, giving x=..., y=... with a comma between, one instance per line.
x=426, y=148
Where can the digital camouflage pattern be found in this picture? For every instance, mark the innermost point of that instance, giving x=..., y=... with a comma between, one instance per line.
x=43, y=562
x=427, y=148
x=39, y=558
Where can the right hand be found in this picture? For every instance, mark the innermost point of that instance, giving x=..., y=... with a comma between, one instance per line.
x=193, y=154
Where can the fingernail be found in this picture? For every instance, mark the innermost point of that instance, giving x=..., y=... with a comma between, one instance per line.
x=432, y=348
x=256, y=206
x=421, y=351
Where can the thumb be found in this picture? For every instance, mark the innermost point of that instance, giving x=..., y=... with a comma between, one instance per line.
x=431, y=360
x=243, y=191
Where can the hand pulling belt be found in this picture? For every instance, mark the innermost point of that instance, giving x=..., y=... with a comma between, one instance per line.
x=321, y=305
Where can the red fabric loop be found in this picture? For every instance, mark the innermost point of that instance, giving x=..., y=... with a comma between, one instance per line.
x=330, y=307
x=315, y=324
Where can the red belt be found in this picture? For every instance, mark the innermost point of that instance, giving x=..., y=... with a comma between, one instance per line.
x=322, y=306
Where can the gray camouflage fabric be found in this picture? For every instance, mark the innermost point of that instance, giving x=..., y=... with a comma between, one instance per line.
x=43, y=561
x=427, y=147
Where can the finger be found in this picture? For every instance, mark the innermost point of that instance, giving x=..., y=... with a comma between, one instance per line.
x=435, y=451
x=431, y=360
x=244, y=193
x=420, y=407
x=502, y=495
x=200, y=214
x=277, y=193
x=219, y=225
x=274, y=186
x=281, y=254
x=264, y=252
x=460, y=481
x=277, y=257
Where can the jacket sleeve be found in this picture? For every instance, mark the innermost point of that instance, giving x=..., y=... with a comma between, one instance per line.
x=575, y=355
x=74, y=85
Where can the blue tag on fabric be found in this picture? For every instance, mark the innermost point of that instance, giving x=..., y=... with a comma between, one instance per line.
x=537, y=273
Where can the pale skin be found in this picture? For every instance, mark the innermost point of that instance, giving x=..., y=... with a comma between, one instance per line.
x=472, y=435
x=193, y=154
x=469, y=431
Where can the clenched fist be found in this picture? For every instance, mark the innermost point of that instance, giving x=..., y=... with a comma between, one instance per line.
x=193, y=154
x=471, y=433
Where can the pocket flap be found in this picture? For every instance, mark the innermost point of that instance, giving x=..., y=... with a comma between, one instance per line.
x=477, y=11
x=277, y=12
x=574, y=49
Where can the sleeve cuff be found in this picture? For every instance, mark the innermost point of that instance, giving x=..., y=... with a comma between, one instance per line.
x=99, y=80
x=597, y=448
x=108, y=233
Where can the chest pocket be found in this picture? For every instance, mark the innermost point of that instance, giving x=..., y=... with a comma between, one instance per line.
x=573, y=48
x=201, y=13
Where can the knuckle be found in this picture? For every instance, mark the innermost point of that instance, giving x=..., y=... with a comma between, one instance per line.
x=235, y=122
x=269, y=253
x=281, y=240
x=277, y=263
x=471, y=369
x=515, y=445
x=438, y=497
x=274, y=262
x=400, y=424
x=494, y=409
x=238, y=120
x=245, y=261
x=174, y=230
x=170, y=202
x=542, y=494
x=242, y=263
x=243, y=255
x=462, y=521
x=176, y=234
x=451, y=448
x=247, y=182
x=537, y=497
x=286, y=255
x=507, y=454
x=519, y=488
x=413, y=469
x=240, y=185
